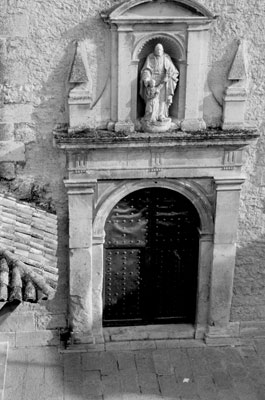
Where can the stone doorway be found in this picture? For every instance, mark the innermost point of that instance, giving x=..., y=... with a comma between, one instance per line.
x=151, y=259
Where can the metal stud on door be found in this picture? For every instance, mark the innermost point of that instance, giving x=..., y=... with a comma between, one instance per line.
x=151, y=253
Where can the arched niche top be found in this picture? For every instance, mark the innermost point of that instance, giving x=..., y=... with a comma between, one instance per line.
x=188, y=189
x=173, y=45
x=160, y=10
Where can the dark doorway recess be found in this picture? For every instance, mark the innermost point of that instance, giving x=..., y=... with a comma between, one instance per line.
x=151, y=259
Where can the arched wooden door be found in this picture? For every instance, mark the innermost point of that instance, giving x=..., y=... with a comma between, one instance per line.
x=151, y=259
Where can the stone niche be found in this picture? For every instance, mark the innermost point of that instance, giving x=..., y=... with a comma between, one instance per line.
x=182, y=27
x=203, y=165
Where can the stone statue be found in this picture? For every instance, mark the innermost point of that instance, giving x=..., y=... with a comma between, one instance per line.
x=152, y=101
x=158, y=82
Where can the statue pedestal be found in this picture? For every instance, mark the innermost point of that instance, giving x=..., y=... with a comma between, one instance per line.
x=157, y=126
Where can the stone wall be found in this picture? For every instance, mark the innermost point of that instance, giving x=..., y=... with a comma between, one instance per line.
x=241, y=20
x=37, y=45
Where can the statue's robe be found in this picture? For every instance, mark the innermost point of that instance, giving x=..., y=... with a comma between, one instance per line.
x=159, y=68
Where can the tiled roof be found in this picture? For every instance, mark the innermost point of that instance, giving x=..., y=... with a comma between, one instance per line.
x=28, y=247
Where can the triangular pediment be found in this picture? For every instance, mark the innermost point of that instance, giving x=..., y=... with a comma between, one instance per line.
x=160, y=9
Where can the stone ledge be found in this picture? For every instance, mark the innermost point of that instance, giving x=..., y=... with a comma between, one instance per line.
x=90, y=139
x=252, y=329
x=149, y=332
x=31, y=339
x=223, y=341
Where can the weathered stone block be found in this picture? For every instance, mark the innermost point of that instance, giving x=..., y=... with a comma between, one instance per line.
x=9, y=337
x=6, y=132
x=11, y=151
x=80, y=209
x=81, y=290
x=124, y=126
x=226, y=216
x=7, y=171
x=13, y=113
x=50, y=321
x=24, y=133
x=222, y=284
x=18, y=322
x=193, y=125
x=37, y=339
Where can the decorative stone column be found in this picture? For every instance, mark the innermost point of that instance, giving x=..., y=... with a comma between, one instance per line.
x=80, y=200
x=224, y=251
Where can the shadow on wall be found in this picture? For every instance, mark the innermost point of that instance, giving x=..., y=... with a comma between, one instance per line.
x=249, y=282
x=45, y=164
x=216, y=84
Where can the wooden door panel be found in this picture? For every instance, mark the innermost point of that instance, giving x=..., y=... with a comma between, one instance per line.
x=151, y=253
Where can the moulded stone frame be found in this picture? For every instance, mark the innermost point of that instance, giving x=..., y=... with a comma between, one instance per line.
x=204, y=210
x=216, y=260
x=127, y=35
x=102, y=171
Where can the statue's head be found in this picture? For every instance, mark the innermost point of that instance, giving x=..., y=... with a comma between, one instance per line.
x=159, y=49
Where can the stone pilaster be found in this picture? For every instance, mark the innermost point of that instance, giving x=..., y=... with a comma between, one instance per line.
x=80, y=200
x=198, y=38
x=205, y=261
x=222, y=274
x=125, y=77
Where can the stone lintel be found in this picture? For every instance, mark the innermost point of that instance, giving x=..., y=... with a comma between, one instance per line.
x=201, y=23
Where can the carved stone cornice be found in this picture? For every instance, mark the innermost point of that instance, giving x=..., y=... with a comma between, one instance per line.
x=233, y=139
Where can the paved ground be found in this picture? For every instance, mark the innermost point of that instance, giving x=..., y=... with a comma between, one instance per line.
x=191, y=373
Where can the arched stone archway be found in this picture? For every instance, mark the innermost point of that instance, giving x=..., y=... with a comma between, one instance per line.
x=201, y=204
x=189, y=189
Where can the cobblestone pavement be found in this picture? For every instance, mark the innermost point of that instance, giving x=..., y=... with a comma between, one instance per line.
x=184, y=373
